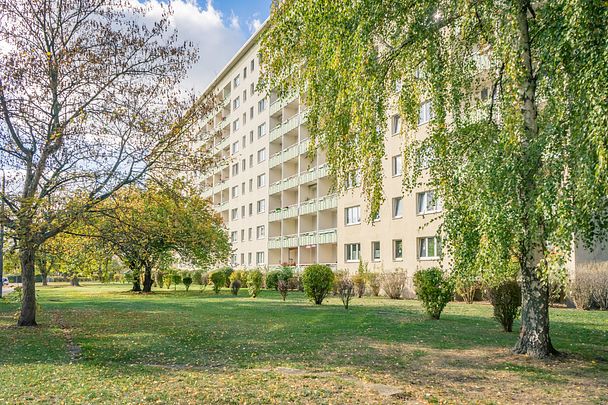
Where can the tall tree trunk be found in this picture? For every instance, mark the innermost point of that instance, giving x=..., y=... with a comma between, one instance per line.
x=148, y=278
x=136, y=278
x=28, y=280
x=43, y=272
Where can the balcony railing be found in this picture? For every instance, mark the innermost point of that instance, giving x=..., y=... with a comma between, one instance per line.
x=284, y=127
x=318, y=238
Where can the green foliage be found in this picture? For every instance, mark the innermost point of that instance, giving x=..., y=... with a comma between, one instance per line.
x=434, y=289
x=255, y=278
x=240, y=275
x=361, y=278
x=218, y=278
x=227, y=273
x=176, y=279
x=374, y=283
x=273, y=277
x=506, y=300
x=338, y=275
x=167, y=280
x=318, y=281
x=187, y=280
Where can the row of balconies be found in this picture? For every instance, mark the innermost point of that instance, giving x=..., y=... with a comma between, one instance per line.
x=308, y=207
x=309, y=238
x=289, y=153
x=286, y=126
x=300, y=178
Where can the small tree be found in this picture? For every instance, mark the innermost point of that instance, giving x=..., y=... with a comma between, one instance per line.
x=283, y=287
x=346, y=288
x=506, y=300
x=218, y=278
x=434, y=289
x=361, y=278
x=176, y=279
x=187, y=280
x=235, y=286
x=167, y=280
x=374, y=283
x=255, y=279
x=318, y=281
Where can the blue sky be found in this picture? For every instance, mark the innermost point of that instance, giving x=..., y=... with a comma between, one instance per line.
x=244, y=9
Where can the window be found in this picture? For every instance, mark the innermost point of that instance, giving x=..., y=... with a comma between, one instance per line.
x=242, y=211
x=261, y=105
x=260, y=232
x=262, y=130
x=251, y=113
x=397, y=249
x=236, y=103
x=426, y=113
x=245, y=72
x=353, y=180
x=252, y=65
x=250, y=233
x=242, y=258
x=395, y=124
x=235, y=147
x=397, y=207
x=484, y=94
x=235, y=191
x=244, y=95
x=261, y=206
x=244, y=118
x=429, y=248
x=252, y=89
x=376, y=251
x=249, y=259
x=244, y=142
x=242, y=235
x=237, y=80
x=427, y=203
x=261, y=155
x=250, y=136
x=243, y=188
x=353, y=251
x=235, y=169
x=398, y=85
x=259, y=258
x=233, y=260
x=236, y=125
x=234, y=214
x=352, y=215
x=251, y=160
x=250, y=209
x=377, y=217
x=243, y=165
x=233, y=236
x=250, y=185
x=397, y=165
x=261, y=180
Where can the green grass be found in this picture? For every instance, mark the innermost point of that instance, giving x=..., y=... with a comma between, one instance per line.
x=183, y=347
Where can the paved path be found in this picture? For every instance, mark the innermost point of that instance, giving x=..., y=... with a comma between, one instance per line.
x=7, y=290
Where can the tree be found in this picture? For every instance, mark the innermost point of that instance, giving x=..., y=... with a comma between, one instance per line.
x=153, y=227
x=89, y=104
x=516, y=145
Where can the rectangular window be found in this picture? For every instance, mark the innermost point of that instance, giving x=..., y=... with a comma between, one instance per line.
x=251, y=113
x=242, y=258
x=250, y=185
x=353, y=252
x=242, y=211
x=236, y=103
x=395, y=124
x=251, y=160
x=259, y=258
x=234, y=214
x=233, y=260
x=261, y=180
x=262, y=130
x=245, y=72
x=261, y=105
x=237, y=80
x=244, y=118
x=250, y=136
x=397, y=249
x=426, y=113
x=250, y=209
x=243, y=165
x=260, y=232
x=249, y=258
x=427, y=203
x=397, y=207
x=252, y=66
x=261, y=155
x=250, y=233
x=252, y=89
x=235, y=147
x=261, y=206
x=235, y=125
x=397, y=165
x=244, y=95
x=353, y=180
x=429, y=248
x=233, y=236
x=352, y=215
x=235, y=191
x=376, y=251
x=235, y=169
x=242, y=235
x=244, y=142
x=243, y=188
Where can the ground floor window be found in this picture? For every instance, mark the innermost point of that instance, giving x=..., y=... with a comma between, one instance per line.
x=353, y=252
x=429, y=248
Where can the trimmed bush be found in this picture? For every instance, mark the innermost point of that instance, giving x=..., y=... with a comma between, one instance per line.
x=434, y=289
x=218, y=278
x=346, y=289
x=295, y=283
x=361, y=278
x=374, y=283
x=394, y=284
x=227, y=273
x=254, y=282
x=283, y=287
x=235, y=287
x=506, y=300
x=176, y=279
x=187, y=280
x=590, y=288
x=318, y=281
x=272, y=279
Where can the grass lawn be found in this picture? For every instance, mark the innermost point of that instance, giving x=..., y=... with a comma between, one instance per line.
x=99, y=343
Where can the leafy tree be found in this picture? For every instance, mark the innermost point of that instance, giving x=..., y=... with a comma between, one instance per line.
x=516, y=144
x=89, y=103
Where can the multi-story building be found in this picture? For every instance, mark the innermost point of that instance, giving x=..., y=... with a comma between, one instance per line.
x=277, y=201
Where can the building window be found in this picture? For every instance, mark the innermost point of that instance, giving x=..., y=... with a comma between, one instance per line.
x=427, y=203
x=244, y=142
x=235, y=125
x=244, y=95
x=244, y=118
x=237, y=80
x=261, y=105
x=235, y=147
x=250, y=209
x=243, y=165
x=397, y=249
x=242, y=211
x=353, y=180
x=397, y=165
x=260, y=232
x=395, y=124
x=243, y=188
x=353, y=252
x=261, y=206
x=233, y=236
x=429, y=248
x=245, y=72
x=233, y=260
x=252, y=89
x=242, y=235
x=262, y=130
x=250, y=233
x=251, y=113
x=397, y=207
x=261, y=155
x=249, y=258
x=234, y=214
x=235, y=191
x=252, y=66
x=259, y=258
x=426, y=113
x=376, y=251
x=236, y=103
x=250, y=185
x=242, y=258
x=250, y=136
x=352, y=215
x=235, y=169
x=261, y=180
x=377, y=217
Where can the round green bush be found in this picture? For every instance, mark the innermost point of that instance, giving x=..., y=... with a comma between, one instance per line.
x=187, y=280
x=434, y=289
x=318, y=281
x=254, y=282
x=218, y=278
x=272, y=279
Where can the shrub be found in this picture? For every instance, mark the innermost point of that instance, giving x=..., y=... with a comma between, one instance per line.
x=318, y=281
x=361, y=278
x=227, y=273
x=272, y=279
x=338, y=275
x=167, y=280
x=346, y=288
x=374, y=283
x=590, y=288
x=240, y=275
x=394, y=284
x=254, y=282
x=159, y=279
x=506, y=300
x=235, y=287
x=197, y=277
x=434, y=289
x=283, y=287
x=218, y=278
x=176, y=279
x=295, y=283
x=467, y=288
x=187, y=280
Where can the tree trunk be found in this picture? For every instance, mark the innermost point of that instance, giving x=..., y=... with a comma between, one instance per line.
x=75, y=282
x=43, y=272
x=147, y=278
x=28, y=280
x=136, y=278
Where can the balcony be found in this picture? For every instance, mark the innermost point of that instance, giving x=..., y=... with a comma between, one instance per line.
x=285, y=127
x=284, y=213
x=327, y=236
x=283, y=242
x=309, y=238
x=284, y=184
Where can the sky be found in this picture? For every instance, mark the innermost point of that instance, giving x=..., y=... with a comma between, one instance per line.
x=217, y=27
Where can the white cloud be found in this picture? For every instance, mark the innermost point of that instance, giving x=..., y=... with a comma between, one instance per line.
x=217, y=37
x=254, y=24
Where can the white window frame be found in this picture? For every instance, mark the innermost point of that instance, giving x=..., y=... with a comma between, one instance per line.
x=260, y=258
x=352, y=215
x=261, y=129
x=395, y=124
x=395, y=215
x=426, y=113
x=236, y=103
x=261, y=206
x=351, y=248
x=260, y=232
x=261, y=155
x=427, y=203
x=235, y=191
x=397, y=165
x=374, y=250
x=425, y=243
x=261, y=181
x=397, y=242
x=235, y=147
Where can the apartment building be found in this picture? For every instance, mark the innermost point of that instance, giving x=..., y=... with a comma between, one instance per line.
x=276, y=198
